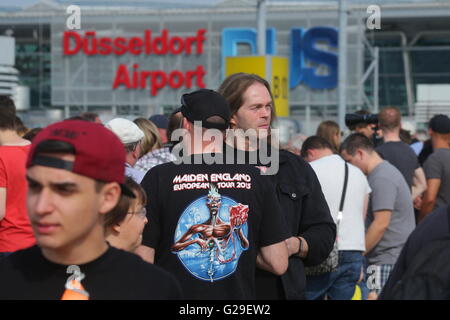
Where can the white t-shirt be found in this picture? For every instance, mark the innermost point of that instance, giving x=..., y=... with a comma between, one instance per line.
x=330, y=171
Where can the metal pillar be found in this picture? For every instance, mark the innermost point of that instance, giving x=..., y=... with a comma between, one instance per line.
x=307, y=129
x=342, y=63
x=376, y=101
x=405, y=48
x=261, y=21
x=372, y=69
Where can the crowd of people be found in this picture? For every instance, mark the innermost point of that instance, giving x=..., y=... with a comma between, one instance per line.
x=137, y=209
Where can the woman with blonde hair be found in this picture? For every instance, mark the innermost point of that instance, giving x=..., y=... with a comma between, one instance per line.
x=330, y=131
x=151, y=140
x=150, y=143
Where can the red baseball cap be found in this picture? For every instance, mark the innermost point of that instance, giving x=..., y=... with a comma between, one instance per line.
x=99, y=154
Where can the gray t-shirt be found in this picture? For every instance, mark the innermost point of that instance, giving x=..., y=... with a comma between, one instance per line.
x=437, y=166
x=390, y=192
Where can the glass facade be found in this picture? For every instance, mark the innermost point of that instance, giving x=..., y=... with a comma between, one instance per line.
x=85, y=81
x=432, y=66
x=33, y=60
x=426, y=56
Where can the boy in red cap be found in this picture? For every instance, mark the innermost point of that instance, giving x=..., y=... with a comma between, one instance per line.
x=75, y=172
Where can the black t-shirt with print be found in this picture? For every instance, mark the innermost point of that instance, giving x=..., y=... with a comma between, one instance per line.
x=207, y=223
x=28, y=275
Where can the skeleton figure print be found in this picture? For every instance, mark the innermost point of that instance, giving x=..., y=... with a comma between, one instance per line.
x=211, y=235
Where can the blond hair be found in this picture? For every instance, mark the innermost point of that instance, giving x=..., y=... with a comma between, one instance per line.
x=151, y=139
x=329, y=130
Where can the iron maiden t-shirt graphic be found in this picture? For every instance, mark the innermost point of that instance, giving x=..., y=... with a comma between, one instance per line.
x=207, y=224
x=211, y=235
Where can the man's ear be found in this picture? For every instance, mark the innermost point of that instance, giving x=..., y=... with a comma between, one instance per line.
x=360, y=153
x=186, y=124
x=310, y=155
x=116, y=228
x=109, y=197
x=233, y=122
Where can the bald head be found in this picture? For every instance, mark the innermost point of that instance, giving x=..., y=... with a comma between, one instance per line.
x=389, y=119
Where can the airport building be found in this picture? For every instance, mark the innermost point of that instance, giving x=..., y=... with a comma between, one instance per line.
x=139, y=57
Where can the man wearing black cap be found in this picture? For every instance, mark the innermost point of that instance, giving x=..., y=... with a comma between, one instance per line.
x=210, y=224
x=437, y=166
x=75, y=177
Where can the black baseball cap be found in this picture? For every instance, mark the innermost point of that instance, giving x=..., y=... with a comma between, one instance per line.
x=160, y=120
x=440, y=123
x=203, y=104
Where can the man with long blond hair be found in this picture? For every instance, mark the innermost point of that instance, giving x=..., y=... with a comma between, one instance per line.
x=311, y=227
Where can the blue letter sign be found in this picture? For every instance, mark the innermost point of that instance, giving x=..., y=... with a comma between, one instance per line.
x=303, y=47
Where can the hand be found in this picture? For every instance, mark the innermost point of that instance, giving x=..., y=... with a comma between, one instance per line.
x=293, y=245
x=238, y=222
x=238, y=215
x=418, y=202
x=361, y=276
x=372, y=296
x=203, y=244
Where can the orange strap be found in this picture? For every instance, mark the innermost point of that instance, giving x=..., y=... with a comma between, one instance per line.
x=75, y=292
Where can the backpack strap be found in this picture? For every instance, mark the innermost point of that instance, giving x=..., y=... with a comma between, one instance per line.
x=344, y=191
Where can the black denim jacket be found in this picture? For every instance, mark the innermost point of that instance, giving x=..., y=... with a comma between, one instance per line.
x=307, y=215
